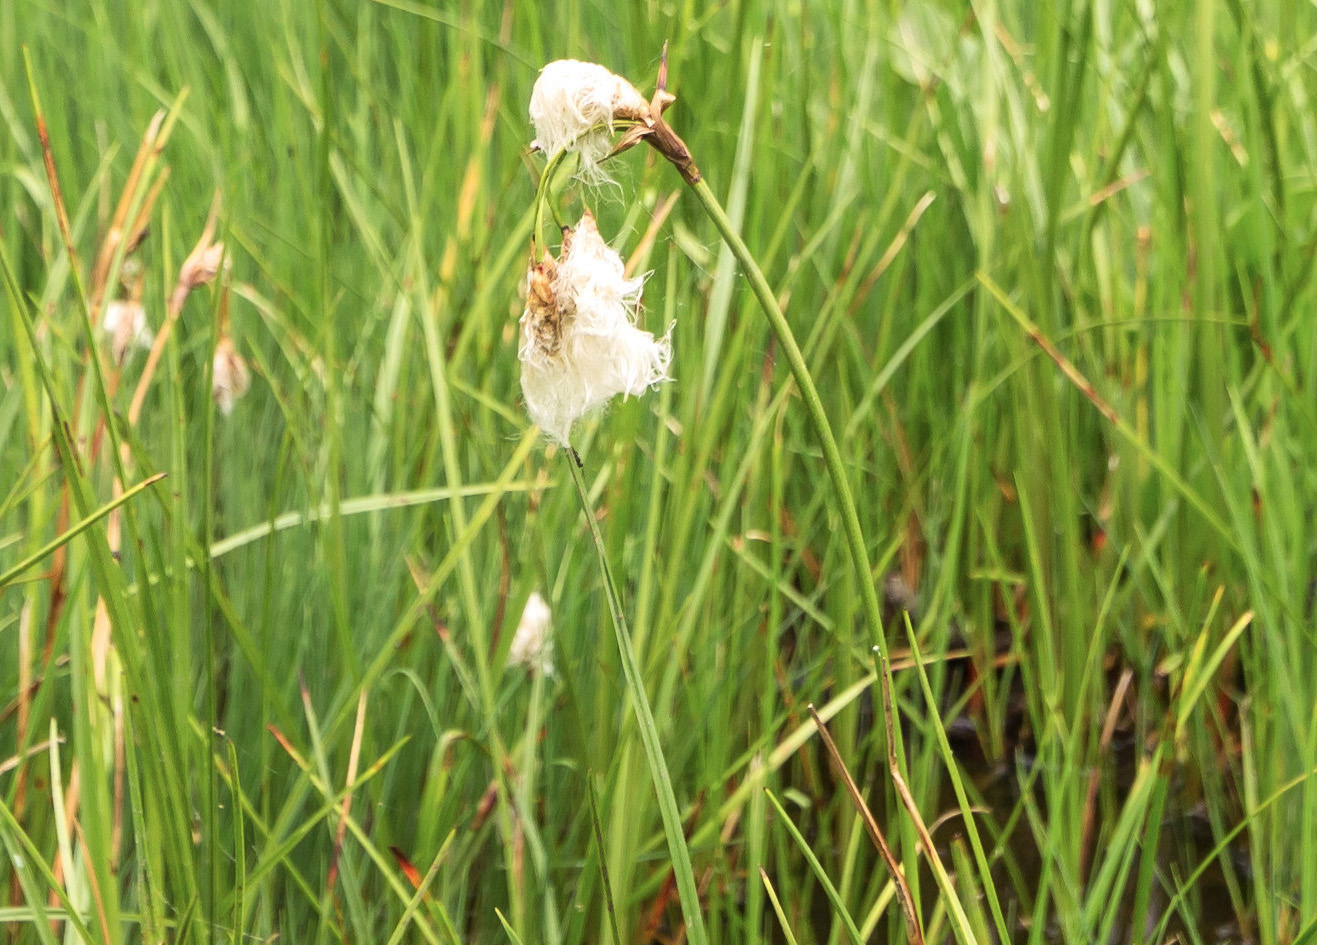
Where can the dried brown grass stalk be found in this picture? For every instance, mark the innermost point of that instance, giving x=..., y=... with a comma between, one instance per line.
x=913, y=930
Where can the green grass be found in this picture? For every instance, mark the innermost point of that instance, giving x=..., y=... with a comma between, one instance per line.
x=1050, y=269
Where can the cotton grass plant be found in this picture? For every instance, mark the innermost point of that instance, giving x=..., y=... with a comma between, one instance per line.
x=564, y=121
x=1072, y=383
x=578, y=351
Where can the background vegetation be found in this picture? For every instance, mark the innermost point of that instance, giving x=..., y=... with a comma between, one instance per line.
x=1051, y=266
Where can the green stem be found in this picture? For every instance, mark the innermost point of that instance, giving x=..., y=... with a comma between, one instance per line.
x=658, y=768
x=72, y=533
x=813, y=404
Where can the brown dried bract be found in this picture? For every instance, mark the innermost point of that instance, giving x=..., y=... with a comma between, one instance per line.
x=543, y=319
x=651, y=128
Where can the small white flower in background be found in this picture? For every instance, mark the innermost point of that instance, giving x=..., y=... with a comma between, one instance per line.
x=125, y=322
x=229, y=376
x=532, y=646
x=573, y=107
x=579, y=344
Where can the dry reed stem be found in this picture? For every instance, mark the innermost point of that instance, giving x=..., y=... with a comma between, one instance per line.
x=56, y=194
x=650, y=235
x=902, y=789
x=1094, y=777
x=72, y=797
x=57, y=591
x=114, y=236
x=151, y=146
x=893, y=250
x=175, y=309
x=95, y=887
x=913, y=931
x=354, y=756
x=36, y=748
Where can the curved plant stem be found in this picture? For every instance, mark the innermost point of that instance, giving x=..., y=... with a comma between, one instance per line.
x=658, y=768
x=817, y=417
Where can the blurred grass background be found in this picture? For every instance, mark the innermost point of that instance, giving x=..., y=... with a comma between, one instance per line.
x=1107, y=550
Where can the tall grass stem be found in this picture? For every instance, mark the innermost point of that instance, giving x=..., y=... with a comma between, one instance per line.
x=658, y=767
x=818, y=417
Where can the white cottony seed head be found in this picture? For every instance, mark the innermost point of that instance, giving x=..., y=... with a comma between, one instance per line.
x=532, y=646
x=125, y=322
x=229, y=376
x=579, y=344
x=573, y=107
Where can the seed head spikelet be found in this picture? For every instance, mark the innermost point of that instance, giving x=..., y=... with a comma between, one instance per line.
x=125, y=323
x=579, y=344
x=229, y=375
x=532, y=645
x=573, y=107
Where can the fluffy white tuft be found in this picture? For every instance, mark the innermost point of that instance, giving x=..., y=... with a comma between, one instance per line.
x=229, y=376
x=532, y=646
x=125, y=322
x=595, y=352
x=573, y=106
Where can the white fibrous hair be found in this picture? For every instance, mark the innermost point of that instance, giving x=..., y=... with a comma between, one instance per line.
x=573, y=107
x=532, y=646
x=579, y=344
x=125, y=323
x=229, y=376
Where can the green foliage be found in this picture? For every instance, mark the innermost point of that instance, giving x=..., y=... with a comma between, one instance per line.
x=1050, y=267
